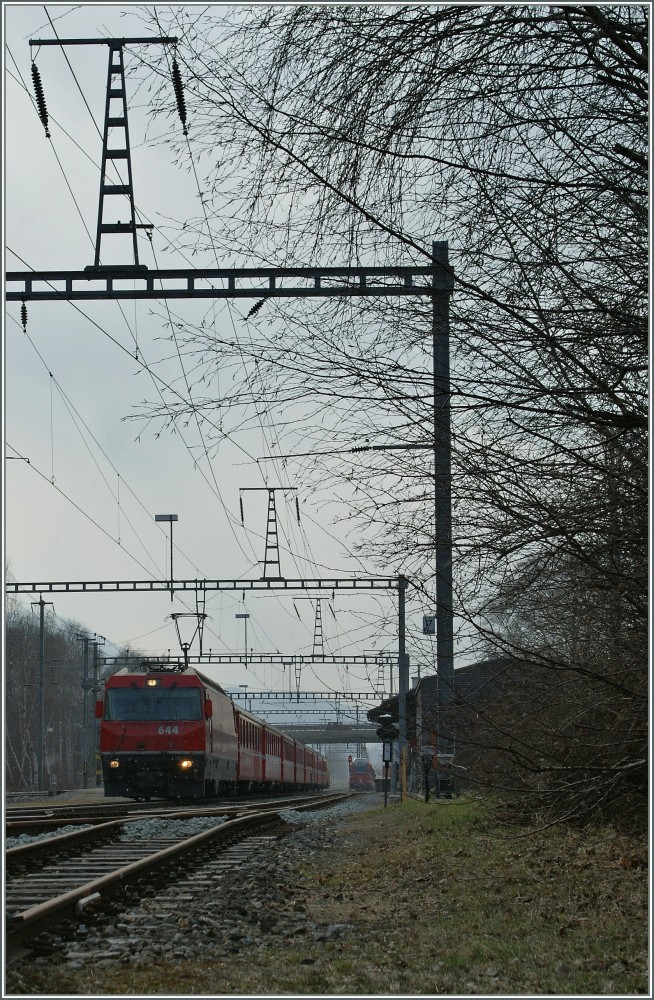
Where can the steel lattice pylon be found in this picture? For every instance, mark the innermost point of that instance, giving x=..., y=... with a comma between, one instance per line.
x=116, y=92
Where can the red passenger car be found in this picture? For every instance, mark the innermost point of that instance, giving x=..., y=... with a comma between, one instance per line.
x=177, y=734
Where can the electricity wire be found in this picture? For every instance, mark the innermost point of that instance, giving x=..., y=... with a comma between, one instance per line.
x=134, y=336
x=211, y=239
x=85, y=513
x=248, y=377
x=313, y=561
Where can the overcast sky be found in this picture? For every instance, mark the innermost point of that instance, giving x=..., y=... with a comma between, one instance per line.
x=84, y=506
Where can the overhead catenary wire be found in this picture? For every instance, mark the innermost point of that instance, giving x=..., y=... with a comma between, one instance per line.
x=85, y=513
x=157, y=385
x=77, y=419
x=192, y=404
x=141, y=363
x=211, y=239
x=69, y=405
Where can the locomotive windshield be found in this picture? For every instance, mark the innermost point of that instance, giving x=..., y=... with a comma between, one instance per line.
x=153, y=704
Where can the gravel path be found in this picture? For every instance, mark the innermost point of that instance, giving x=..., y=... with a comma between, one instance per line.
x=216, y=910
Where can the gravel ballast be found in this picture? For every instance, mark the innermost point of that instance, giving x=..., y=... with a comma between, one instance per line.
x=217, y=910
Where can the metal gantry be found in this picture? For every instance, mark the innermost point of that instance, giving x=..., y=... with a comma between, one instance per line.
x=126, y=283
x=202, y=586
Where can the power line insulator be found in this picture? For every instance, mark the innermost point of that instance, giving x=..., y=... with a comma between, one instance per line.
x=23, y=317
x=179, y=95
x=255, y=308
x=240, y=503
x=297, y=509
x=40, y=99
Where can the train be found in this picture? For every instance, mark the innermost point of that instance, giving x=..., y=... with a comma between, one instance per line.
x=176, y=734
x=362, y=775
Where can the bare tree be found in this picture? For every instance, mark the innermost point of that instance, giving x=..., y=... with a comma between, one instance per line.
x=63, y=701
x=519, y=133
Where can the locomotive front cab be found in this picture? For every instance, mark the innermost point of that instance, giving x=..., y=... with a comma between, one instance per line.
x=153, y=736
x=362, y=775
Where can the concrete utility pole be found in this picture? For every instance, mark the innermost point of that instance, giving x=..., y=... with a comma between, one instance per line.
x=443, y=486
x=403, y=682
x=99, y=641
x=85, y=729
x=40, y=778
x=88, y=685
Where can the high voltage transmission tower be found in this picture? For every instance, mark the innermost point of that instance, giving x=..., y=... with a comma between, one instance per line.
x=434, y=279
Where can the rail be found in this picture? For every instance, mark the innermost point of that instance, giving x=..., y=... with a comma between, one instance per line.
x=23, y=925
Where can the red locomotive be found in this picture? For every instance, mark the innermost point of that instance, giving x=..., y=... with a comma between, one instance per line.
x=362, y=775
x=175, y=734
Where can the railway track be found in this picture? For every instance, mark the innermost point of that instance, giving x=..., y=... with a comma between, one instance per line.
x=33, y=820
x=69, y=876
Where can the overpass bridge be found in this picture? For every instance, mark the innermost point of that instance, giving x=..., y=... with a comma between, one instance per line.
x=332, y=732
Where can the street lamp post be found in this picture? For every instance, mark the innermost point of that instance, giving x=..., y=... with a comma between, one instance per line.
x=170, y=518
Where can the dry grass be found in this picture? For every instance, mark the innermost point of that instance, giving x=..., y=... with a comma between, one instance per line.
x=443, y=901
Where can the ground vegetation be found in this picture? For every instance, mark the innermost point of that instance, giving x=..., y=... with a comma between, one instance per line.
x=419, y=899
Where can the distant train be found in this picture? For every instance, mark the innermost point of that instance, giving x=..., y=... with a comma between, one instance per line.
x=178, y=735
x=362, y=775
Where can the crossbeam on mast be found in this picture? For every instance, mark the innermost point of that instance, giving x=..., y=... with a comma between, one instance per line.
x=166, y=40
x=308, y=696
x=154, y=586
x=348, y=715
x=129, y=282
x=259, y=659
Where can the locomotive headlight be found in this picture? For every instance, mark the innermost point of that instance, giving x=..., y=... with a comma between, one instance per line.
x=185, y=764
x=114, y=763
x=151, y=682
